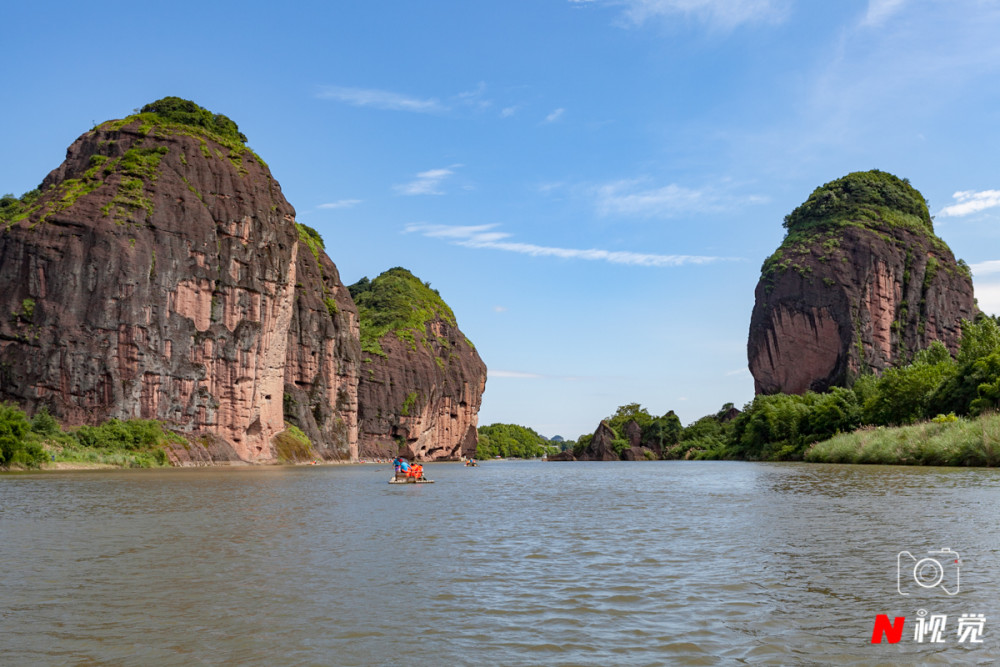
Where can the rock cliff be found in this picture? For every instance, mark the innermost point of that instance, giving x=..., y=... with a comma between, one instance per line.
x=321, y=371
x=421, y=380
x=859, y=284
x=159, y=273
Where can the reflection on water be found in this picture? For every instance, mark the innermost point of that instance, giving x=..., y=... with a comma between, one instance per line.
x=509, y=563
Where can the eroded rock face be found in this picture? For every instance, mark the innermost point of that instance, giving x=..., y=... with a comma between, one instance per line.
x=422, y=398
x=156, y=278
x=840, y=300
x=321, y=373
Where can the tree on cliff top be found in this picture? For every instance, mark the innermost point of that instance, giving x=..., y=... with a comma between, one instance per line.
x=174, y=115
x=870, y=198
x=396, y=302
x=186, y=112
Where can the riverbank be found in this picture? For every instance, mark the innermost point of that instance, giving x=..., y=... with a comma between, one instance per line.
x=945, y=442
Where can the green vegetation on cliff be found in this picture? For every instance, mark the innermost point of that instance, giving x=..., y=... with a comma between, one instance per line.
x=397, y=303
x=311, y=238
x=174, y=115
x=139, y=166
x=873, y=200
x=178, y=111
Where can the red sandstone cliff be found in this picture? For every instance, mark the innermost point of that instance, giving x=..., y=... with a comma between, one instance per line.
x=160, y=275
x=860, y=284
x=421, y=381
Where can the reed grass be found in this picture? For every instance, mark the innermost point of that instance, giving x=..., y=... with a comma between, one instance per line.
x=963, y=442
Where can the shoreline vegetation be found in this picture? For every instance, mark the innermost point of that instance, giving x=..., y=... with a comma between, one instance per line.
x=937, y=410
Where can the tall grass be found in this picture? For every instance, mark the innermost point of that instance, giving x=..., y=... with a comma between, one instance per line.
x=963, y=442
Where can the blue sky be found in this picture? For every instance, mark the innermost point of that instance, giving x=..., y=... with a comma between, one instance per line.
x=592, y=185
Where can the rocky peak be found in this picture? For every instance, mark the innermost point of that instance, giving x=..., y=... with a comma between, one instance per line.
x=160, y=262
x=860, y=283
x=421, y=380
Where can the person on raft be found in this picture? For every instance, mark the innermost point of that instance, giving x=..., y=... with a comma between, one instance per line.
x=403, y=467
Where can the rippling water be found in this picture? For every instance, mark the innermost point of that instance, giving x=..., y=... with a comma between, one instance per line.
x=512, y=563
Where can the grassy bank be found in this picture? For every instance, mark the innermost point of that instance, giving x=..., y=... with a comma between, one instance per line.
x=958, y=442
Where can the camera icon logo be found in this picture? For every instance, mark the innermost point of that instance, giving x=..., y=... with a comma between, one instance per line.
x=939, y=569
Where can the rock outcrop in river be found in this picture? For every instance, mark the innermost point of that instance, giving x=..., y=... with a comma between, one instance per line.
x=159, y=273
x=860, y=283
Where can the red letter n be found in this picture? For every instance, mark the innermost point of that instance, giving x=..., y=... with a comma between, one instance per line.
x=892, y=631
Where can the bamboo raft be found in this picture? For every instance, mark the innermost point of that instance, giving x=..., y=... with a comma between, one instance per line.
x=403, y=479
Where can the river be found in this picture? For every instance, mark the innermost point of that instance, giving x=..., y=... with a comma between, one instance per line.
x=510, y=563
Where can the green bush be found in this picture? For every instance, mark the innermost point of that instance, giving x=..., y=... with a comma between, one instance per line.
x=15, y=448
x=185, y=112
x=44, y=423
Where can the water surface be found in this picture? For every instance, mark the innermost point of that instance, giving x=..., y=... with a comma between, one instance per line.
x=513, y=563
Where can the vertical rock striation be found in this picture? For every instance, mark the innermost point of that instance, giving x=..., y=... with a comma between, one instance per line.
x=321, y=374
x=859, y=284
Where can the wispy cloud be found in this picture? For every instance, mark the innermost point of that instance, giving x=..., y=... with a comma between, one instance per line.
x=513, y=374
x=380, y=99
x=427, y=182
x=985, y=268
x=970, y=202
x=719, y=14
x=340, y=203
x=880, y=10
x=507, y=112
x=486, y=236
x=635, y=197
x=555, y=115
x=475, y=98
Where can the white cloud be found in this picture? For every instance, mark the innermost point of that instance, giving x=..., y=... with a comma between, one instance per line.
x=633, y=197
x=499, y=309
x=880, y=10
x=970, y=201
x=512, y=374
x=985, y=268
x=341, y=203
x=475, y=98
x=555, y=115
x=483, y=236
x=380, y=99
x=742, y=371
x=426, y=182
x=721, y=14
x=507, y=112
x=988, y=296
